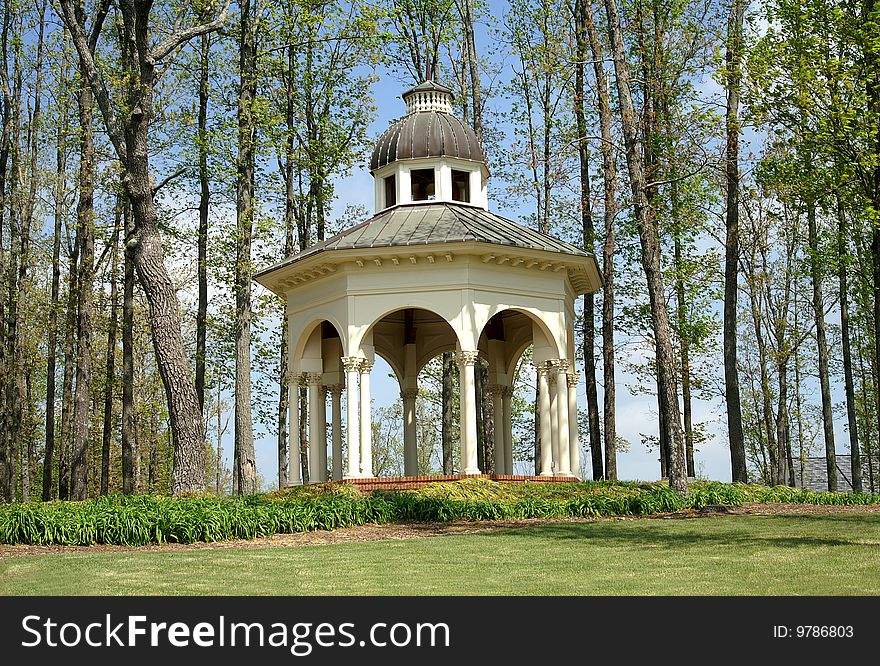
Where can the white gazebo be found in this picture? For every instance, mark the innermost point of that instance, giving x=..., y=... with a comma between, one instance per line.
x=432, y=271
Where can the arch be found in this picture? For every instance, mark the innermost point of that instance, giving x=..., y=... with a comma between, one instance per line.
x=550, y=340
x=357, y=338
x=305, y=332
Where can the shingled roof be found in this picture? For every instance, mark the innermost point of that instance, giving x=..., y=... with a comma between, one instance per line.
x=430, y=223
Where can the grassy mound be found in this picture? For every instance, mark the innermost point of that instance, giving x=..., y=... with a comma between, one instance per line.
x=141, y=519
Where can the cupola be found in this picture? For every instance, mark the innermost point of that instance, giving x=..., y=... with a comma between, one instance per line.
x=429, y=155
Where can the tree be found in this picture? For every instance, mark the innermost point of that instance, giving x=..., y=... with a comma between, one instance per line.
x=650, y=247
x=733, y=58
x=129, y=136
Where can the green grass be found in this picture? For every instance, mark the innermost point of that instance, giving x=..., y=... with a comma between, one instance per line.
x=727, y=555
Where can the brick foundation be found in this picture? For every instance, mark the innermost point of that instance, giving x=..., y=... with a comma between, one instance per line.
x=413, y=482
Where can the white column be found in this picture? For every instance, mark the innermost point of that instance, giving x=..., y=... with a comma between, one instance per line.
x=574, y=444
x=410, y=449
x=336, y=416
x=554, y=416
x=294, y=476
x=322, y=427
x=352, y=371
x=315, y=393
x=507, y=396
x=498, y=428
x=466, y=361
x=563, y=462
x=366, y=420
x=546, y=430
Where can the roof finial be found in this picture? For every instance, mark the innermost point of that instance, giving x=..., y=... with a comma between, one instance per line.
x=428, y=96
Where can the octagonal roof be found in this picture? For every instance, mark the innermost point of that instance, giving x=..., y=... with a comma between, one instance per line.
x=435, y=223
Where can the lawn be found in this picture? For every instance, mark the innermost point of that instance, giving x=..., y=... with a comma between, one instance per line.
x=724, y=555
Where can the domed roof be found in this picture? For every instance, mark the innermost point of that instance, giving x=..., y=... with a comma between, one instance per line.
x=428, y=130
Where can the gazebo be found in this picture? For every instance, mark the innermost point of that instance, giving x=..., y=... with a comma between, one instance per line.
x=432, y=271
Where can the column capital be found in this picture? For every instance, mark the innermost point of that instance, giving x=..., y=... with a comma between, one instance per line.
x=351, y=362
x=544, y=369
x=573, y=377
x=497, y=389
x=409, y=394
x=312, y=377
x=558, y=365
x=335, y=389
x=366, y=365
x=506, y=391
x=467, y=357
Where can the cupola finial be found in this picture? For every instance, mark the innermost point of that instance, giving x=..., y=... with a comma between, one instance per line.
x=428, y=96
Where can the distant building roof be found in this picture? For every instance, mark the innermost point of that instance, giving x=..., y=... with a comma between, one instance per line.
x=815, y=473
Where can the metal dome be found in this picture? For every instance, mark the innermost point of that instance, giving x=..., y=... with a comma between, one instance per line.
x=428, y=130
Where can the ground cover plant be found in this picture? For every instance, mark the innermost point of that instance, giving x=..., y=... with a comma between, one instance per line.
x=825, y=553
x=141, y=519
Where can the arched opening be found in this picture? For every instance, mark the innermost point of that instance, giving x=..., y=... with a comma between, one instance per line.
x=407, y=339
x=316, y=385
x=512, y=340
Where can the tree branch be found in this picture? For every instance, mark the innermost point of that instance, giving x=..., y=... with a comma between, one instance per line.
x=178, y=38
x=90, y=70
x=169, y=178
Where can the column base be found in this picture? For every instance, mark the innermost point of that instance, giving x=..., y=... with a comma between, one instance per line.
x=472, y=472
x=546, y=474
x=352, y=476
x=562, y=473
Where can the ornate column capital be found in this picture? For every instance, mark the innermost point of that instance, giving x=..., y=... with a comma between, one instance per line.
x=351, y=362
x=507, y=392
x=467, y=357
x=312, y=377
x=573, y=377
x=547, y=371
x=409, y=394
x=366, y=365
x=558, y=365
x=335, y=389
x=501, y=390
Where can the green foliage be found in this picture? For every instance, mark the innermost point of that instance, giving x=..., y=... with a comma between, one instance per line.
x=141, y=519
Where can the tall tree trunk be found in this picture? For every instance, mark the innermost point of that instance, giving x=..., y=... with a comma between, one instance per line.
x=12, y=414
x=733, y=58
x=466, y=11
x=609, y=191
x=589, y=240
x=130, y=452
x=130, y=141
x=23, y=377
x=873, y=85
x=245, y=473
x=824, y=383
x=52, y=345
x=849, y=386
x=782, y=425
x=681, y=313
x=650, y=245
x=65, y=441
x=204, y=203
x=284, y=393
x=85, y=233
x=448, y=365
x=110, y=372
x=6, y=442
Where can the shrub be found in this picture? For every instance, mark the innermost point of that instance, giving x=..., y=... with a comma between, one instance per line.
x=135, y=520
